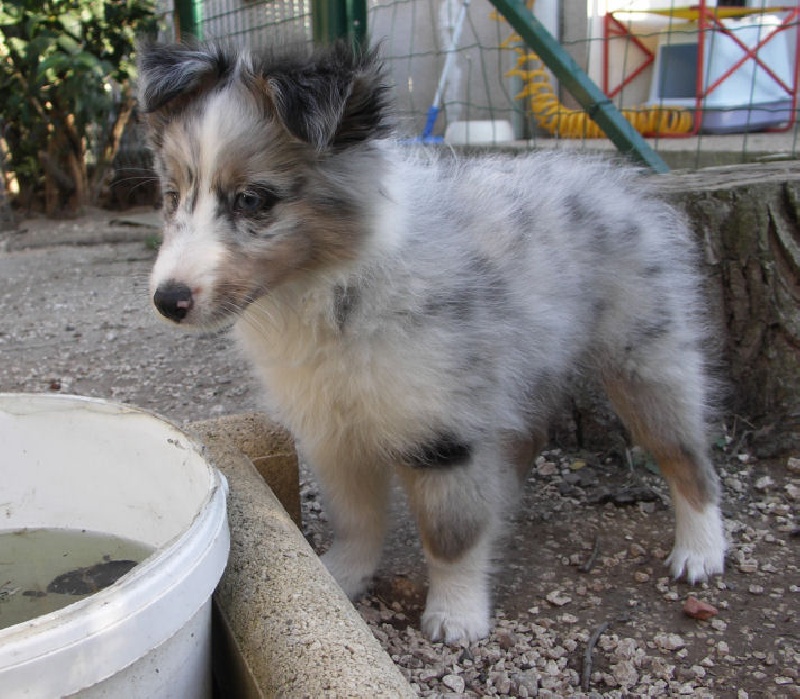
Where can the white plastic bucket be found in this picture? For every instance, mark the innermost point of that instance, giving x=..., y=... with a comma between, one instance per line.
x=78, y=463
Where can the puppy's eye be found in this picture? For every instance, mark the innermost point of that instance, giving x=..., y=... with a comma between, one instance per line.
x=252, y=201
x=247, y=202
x=171, y=201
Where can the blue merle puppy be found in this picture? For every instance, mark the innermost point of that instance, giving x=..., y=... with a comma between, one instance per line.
x=416, y=316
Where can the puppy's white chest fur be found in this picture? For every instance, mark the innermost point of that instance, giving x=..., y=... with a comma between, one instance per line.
x=335, y=392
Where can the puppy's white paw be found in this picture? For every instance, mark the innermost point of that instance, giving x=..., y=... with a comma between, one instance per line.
x=440, y=625
x=353, y=573
x=456, y=613
x=694, y=566
x=699, y=550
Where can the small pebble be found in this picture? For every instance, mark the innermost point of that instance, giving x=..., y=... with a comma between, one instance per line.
x=748, y=566
x=764, y=483
x=669, y=641
x=558, y=598
x=625, y=674
x=454, y=682
x=548, y=468
x=529, y=679
x=698, y=609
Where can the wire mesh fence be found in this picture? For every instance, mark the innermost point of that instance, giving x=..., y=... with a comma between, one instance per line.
x=418, y=36
x=247, y=23
x=256, y=24
x=705, y=84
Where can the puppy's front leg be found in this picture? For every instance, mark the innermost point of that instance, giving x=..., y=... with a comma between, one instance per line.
x=457, y=516
x=458, y=604
x=356, y=496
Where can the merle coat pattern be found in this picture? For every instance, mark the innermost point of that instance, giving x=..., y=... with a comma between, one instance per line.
x=419, y=316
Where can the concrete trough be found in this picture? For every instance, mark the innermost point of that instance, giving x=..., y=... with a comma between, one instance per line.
x=282, y=626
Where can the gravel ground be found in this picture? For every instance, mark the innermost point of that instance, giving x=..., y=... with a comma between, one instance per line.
x=583, y=602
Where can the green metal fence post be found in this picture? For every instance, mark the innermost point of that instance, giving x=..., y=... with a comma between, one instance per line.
x=189, y=19
x=618, y=129
x=339, y=19
x=357, y=20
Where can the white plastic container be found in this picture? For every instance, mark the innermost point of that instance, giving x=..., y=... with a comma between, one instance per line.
x=78, y=463
x=745, y=99
x=478, y=132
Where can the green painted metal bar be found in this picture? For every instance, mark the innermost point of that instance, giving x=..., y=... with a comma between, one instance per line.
x=357, y=17
x=189, y=15
x=339, y=19
x=618, y=129
x=328, y=20
x=197, y=10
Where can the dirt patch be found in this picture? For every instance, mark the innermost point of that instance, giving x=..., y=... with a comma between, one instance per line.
x=583, y=565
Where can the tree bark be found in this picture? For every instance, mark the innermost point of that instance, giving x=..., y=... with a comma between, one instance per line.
x=104, y=170
x=64, y=164
x=747, y=221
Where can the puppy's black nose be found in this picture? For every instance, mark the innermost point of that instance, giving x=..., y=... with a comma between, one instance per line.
x=173, y=300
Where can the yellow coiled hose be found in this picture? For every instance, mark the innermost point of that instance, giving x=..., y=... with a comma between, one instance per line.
x=556, y=119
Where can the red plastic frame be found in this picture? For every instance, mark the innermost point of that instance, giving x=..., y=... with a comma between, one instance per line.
x=708, y=19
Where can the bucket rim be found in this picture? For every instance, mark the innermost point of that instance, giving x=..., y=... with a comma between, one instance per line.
x=96, y=637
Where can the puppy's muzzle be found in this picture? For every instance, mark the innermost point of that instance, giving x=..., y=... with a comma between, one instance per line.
x=173, y=300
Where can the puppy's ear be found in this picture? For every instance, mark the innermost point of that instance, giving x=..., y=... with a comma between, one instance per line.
x=336, y=99
x=171, y=74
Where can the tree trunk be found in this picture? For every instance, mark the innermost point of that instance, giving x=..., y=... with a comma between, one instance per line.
x=64, y=163
x=747, y=220
x=7, y=219
x=75, y=162
x=56, y=180
x=103, y=174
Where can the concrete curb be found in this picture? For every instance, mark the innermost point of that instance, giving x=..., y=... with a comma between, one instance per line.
x=283, y=626
x=268, y=447
x=95, y=227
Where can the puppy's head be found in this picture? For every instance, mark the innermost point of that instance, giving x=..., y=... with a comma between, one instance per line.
x=263, y=160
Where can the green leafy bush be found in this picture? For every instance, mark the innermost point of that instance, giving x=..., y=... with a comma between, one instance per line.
x=66, y=71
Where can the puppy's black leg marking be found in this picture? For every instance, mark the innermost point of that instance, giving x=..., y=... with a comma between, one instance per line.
x=345, y=300
x=442, y=452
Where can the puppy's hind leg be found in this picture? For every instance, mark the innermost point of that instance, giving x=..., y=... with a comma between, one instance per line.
x=662, y=404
